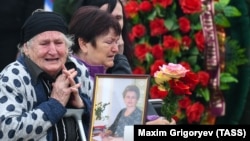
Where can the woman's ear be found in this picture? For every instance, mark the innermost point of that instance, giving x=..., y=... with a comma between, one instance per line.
x=83, y=45
x=25, y=49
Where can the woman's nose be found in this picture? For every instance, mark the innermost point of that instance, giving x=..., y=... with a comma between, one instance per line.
x=115, y=47
x=52, y=48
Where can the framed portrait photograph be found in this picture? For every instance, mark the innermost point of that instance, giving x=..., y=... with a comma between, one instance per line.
x=119, y=102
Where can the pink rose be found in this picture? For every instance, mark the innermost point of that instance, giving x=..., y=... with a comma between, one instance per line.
x=174, y=71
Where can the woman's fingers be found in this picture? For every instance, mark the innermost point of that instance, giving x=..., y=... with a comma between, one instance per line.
x=75, y=99
x=71, y=74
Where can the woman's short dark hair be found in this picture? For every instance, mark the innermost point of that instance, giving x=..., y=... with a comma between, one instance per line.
x=132, y=88
x=88, y=22
x=128, y=48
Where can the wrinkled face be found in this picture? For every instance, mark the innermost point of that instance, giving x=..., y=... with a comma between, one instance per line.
x=130, y=99
x=104, y=52
x=48, y=50
x=117, y=13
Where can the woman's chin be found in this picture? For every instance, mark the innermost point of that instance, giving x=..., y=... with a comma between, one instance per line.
x=109, y=65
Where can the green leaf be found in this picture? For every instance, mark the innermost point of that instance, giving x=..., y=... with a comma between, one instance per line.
x=221, y=20
x=218, y=7
x=205, y=93
x=194, y=51
x=136, y=19
x=192, y=59
x=227, y=78
x=149, y=60
x=224, y=87
x=171, y=24
x=231, y=11
x=223, y=2
x=142, y=40
x=196, y=26
x=152, y=15
x=159, y=11
x=235, y=56
x=196, y=67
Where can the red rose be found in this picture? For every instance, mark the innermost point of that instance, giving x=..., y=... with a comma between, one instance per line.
x=157, y=27
x=141, y=50
x=169, y=42
x=156, y=93
x=139, y=70
x=190, y=79
x=185, y=65
x=203, y=78
x=184, y=102
x=131, y=9
x=184, y=24
x=186, y=41
x=155, y=67
x=200, y=41
x=179, y=88
x=191, y=6
x=146, y=6
x=194, y=112
x=157, y=51
x=138, y=30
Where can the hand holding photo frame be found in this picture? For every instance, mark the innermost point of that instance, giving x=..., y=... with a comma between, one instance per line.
x=118, y=101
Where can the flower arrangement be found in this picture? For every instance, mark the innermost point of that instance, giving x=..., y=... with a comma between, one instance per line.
x=170, y=45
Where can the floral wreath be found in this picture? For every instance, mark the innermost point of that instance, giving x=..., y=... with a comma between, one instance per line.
x=172, y=42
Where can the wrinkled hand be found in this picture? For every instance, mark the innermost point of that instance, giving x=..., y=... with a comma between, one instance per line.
x=161, y=121
x=75, y=99
x=66, y=90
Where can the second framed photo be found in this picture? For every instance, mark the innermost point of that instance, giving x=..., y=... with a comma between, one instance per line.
x=119, y=102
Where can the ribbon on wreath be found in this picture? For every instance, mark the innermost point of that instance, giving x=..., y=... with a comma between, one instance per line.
x=212, y=58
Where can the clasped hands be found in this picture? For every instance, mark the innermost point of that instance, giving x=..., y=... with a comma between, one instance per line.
x=65, y=90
